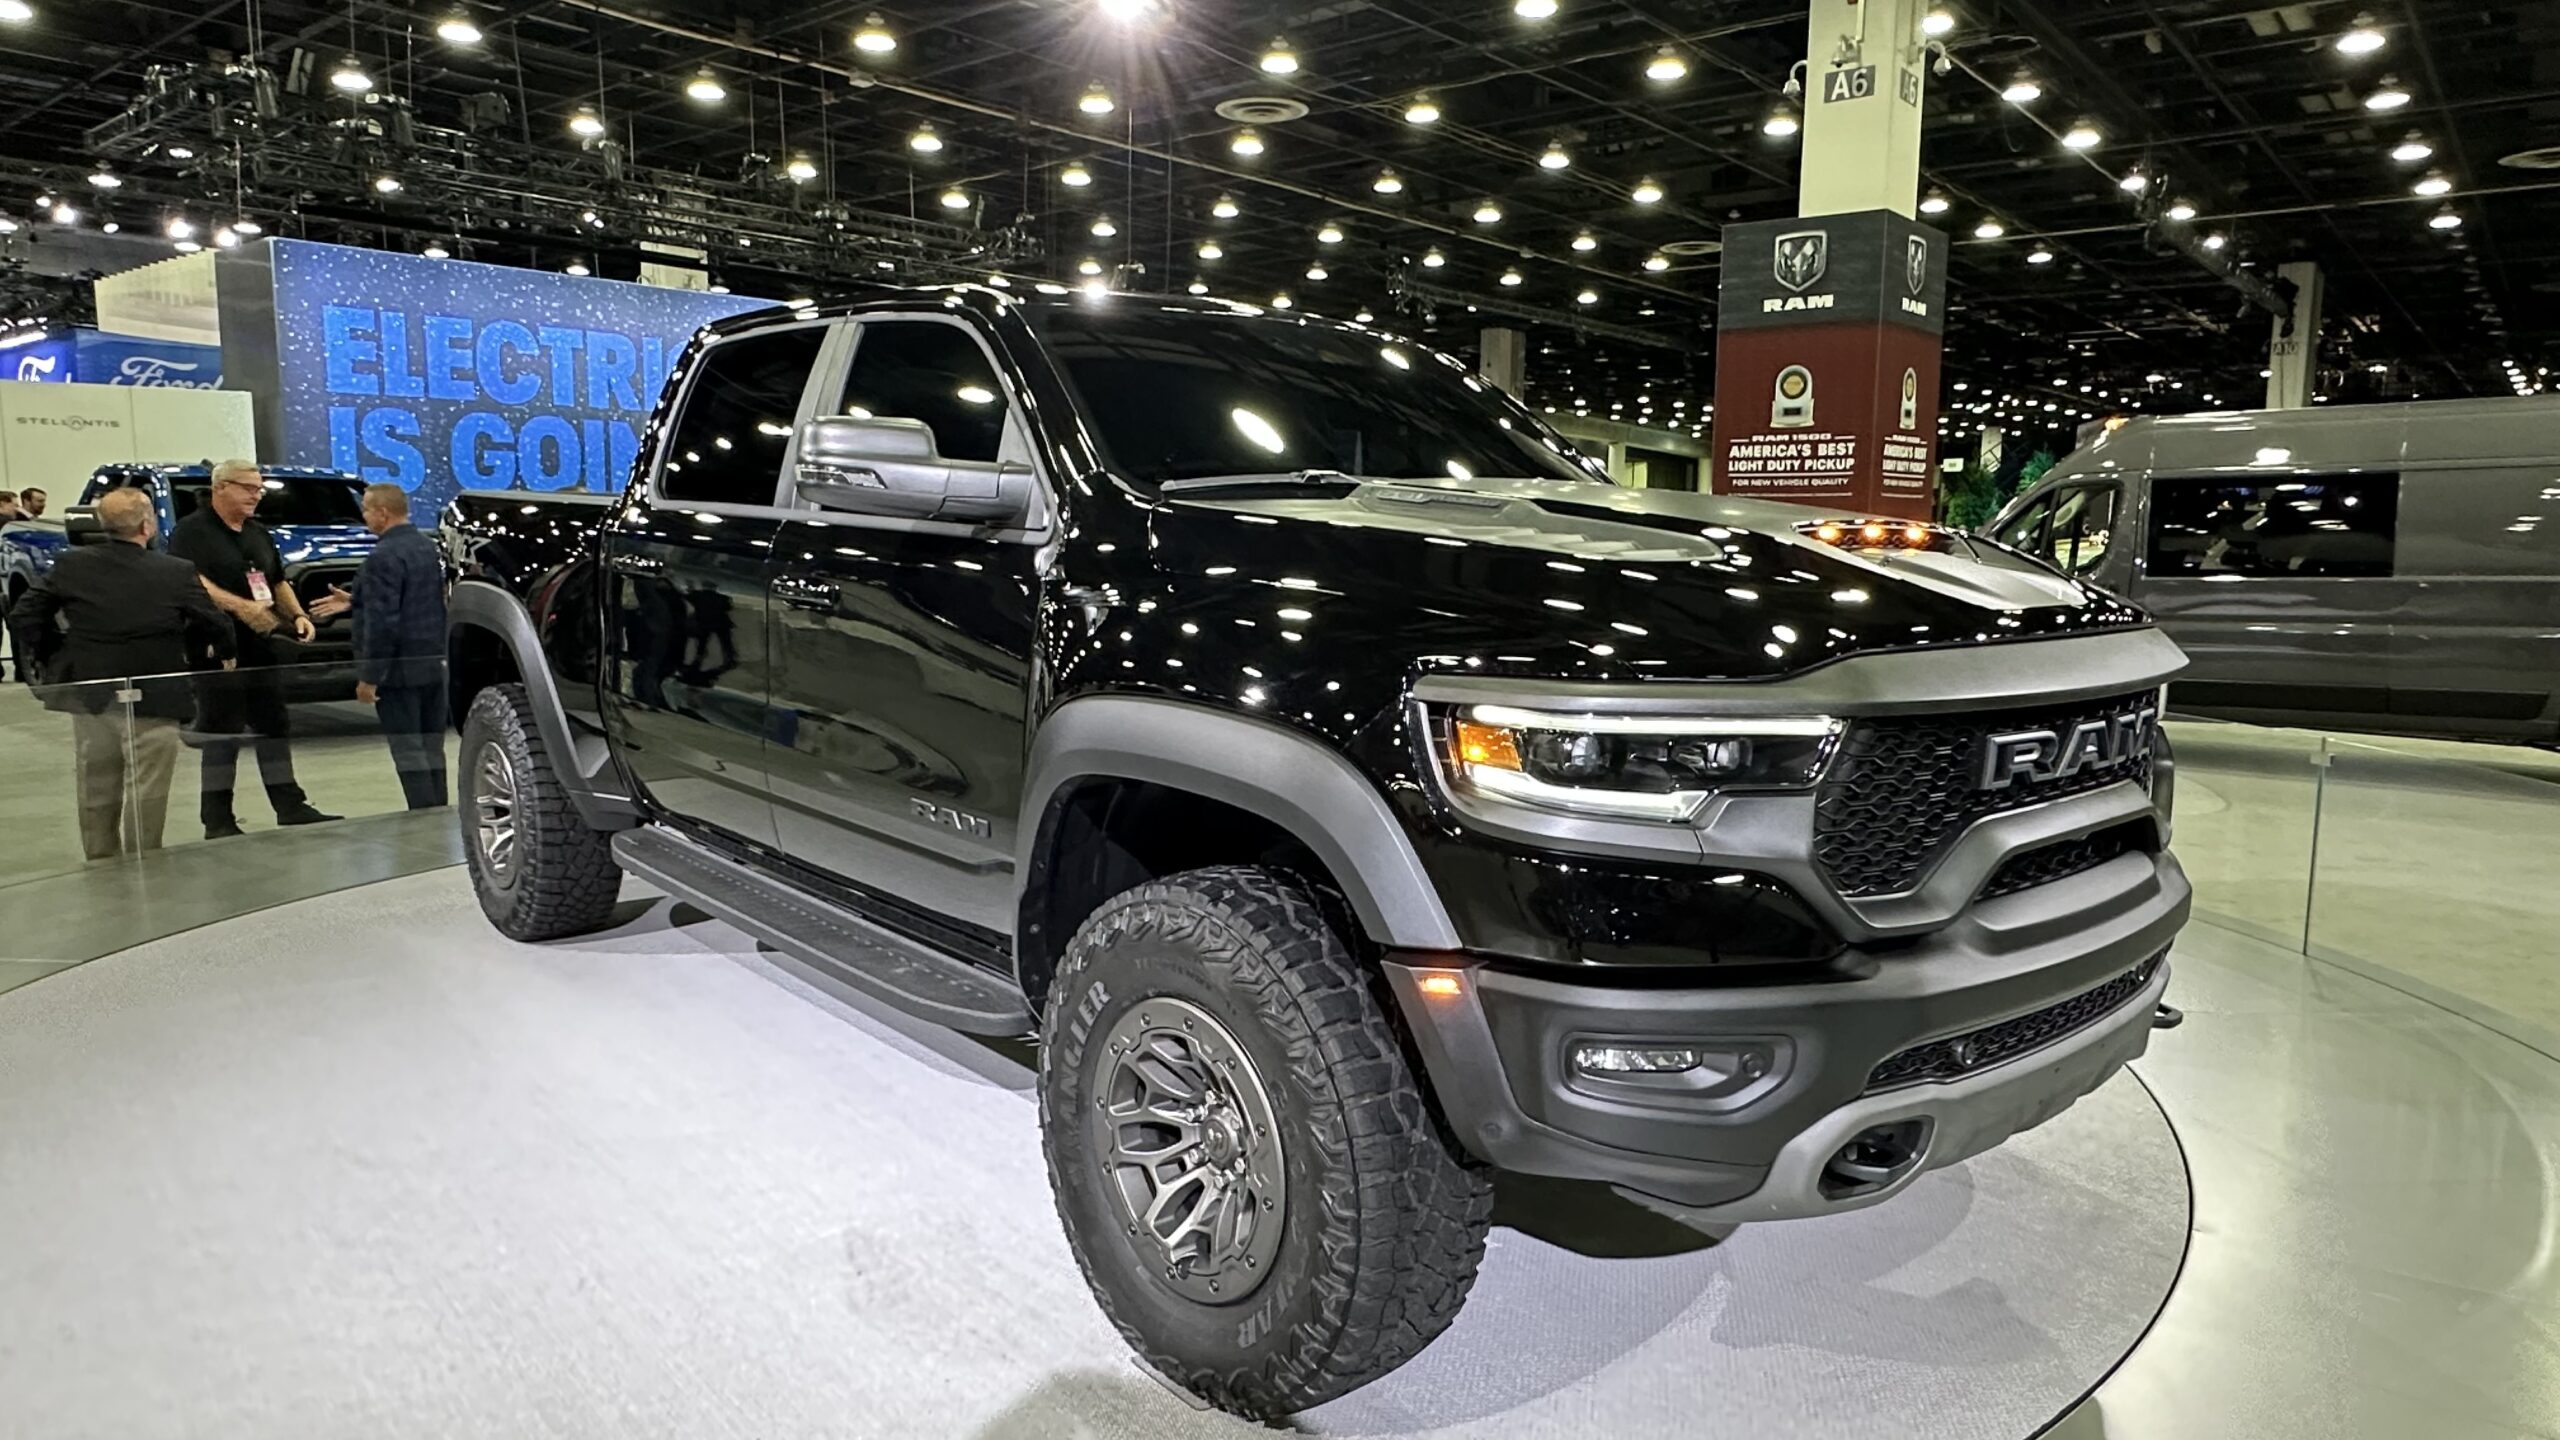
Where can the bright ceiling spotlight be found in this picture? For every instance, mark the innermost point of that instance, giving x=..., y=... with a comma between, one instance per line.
x=457, y=29
x=1388, y=183
x=1423, y=111
x=1666, y=66
x=926, y=140
x=1513, y=276
x=1075, y=176
x=226, y=238
x=1647, y=192
x=705, y=88
x=1088, y=266
x=2215, y=241
x=585, y=123
x=179, y=228
x=64, y=213
x=1586, y=242
x=2445, y=219
x=1247, y=141
x=1782, y=122
x=1657, y=261
x=576, y=267
x=1331, y=234
x=2388, y=96
x=2040, y=256
x=1199, y=287
x=874, y=37
x=1103, y=229
x=1554, y=158
x=1938, y=22
x=1226, y=208
x=2412, y=149
x=1317, y=272
x=1989, y=229
x=350, y=76
x=386, y=184
x=435, y=251
x=1096, y=100
x=16, y=12
x=955, y=198
x=1587, y=297
x=1534, y=9
x=1281, y=301
x=187, y=247
x=1488, y=213
x=2081, y=136
x=2134, y=182
x=1935, y=203
x=800, y=169
x=2362, y=38
x=1432, y=259
x=105, y=177
x=1128, y=11
x=2433, y=185
x=2022, y=91
x=2180, y=211
x=1279, y=59
x=1210, y=250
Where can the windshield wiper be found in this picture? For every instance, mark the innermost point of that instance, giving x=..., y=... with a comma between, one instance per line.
x=1225, y=482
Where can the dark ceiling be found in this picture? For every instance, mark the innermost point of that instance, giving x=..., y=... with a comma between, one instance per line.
x=2255, y=117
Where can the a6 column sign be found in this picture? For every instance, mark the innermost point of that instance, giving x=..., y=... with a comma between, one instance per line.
x=1828, y=332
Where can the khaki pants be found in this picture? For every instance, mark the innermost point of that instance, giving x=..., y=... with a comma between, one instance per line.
x=123, y=807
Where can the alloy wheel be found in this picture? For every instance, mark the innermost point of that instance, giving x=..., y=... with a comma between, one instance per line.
x=493, y=812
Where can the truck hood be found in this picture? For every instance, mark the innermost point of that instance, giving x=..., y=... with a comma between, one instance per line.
x=1593, y=581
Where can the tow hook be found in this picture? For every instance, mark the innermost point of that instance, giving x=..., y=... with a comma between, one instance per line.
x=2167, y=1017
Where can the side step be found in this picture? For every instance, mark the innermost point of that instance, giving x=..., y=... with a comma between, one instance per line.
x=843, y=950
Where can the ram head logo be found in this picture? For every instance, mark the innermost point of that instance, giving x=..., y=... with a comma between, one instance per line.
x=1801, y=257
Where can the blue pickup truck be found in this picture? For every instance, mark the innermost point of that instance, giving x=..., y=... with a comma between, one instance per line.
x=317, y=517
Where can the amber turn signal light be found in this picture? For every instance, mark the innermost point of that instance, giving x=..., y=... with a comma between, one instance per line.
x=1487, y=745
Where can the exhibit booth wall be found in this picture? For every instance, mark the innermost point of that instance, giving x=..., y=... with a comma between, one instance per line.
x=53, y=435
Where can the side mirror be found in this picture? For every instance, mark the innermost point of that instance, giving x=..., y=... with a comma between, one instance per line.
x=891, y=467
x=80, y=526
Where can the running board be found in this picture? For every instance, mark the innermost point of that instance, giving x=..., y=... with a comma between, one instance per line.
x=839, y=949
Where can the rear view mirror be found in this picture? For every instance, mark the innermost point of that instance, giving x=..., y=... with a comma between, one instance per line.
x=891, y=467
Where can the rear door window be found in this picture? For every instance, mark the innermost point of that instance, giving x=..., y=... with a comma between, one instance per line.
x=2339, y=526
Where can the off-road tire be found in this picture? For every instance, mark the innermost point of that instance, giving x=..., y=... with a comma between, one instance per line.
x=560, y=879
x=1385, y=1217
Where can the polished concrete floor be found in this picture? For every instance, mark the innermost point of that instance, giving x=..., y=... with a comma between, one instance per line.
x=357, y=1166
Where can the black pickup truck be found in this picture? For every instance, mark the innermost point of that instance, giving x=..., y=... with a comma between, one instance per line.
x=1353, y=792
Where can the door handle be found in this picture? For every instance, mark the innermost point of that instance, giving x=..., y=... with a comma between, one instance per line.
x=638, y=564
x=805, y=594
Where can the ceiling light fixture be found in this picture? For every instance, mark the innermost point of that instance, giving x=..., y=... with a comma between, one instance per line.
x=1782, y=122
x=2445, y=219
x=2388, y=96
x=1938, y=22
x=350, y=76
x=2081, y=136
x=2180, y=211
x=1666, y=66
x=2022, y=91
x=1989, y=229
x=1554, y=158
x=1534, y=9
x=1647, y=192
x=926, y=140
x=1586, y=242
x=16, y=12
x=1423, y=111
x=1279, y=59
x=1657, y=262
x=1247, y=141
x=2433, y=185
x=435, y=251
x=1317, y=272
x=1513, y=276
x=576, y=267
x=105, y=177
x=705, y=88
x=1331, y=234
x=2215, y=241
x=800, y=169
x=1075, y=175
x=1432, y=259
x=1096, y=100
x=2362, y=38
x=2040, y=256
x=457, y=29
x=1088, y=266
x=2412, y=149
x=874, y=37
x=585, y=123
x=2134, y=182
x=1935, y=203
x=179, y=228
x=1488, y=213
x=386, y=184
x=1103, y=229
x=1388, y=183
x=1199, y=287
x=1210, y=250
x=1226, y=208
x=955, y=198
x=64, y=214
x=248, y=227
x=1281, y=301
x=1587, y=297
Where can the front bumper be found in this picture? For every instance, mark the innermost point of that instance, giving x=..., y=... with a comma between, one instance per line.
x=1498, y=1046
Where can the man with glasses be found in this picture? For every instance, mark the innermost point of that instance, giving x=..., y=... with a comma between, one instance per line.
x=241, y=569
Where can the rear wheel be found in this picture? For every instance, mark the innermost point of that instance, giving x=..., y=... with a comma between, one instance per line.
x=540, y=872
x=1247, y=1168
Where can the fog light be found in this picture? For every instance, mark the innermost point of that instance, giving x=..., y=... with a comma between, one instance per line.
x=1631, y=1060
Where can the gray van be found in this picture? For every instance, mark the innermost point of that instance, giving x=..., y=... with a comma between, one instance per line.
x=2388, y=568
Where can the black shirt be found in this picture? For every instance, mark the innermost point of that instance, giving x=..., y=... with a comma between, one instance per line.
x=226, y=556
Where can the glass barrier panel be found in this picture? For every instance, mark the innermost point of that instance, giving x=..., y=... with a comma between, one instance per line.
x=2437, y=865
x=2247, y=809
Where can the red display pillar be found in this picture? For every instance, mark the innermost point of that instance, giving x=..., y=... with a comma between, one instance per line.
x=1827, y=340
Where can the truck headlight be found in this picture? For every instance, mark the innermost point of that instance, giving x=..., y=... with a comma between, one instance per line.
x=1640, y=767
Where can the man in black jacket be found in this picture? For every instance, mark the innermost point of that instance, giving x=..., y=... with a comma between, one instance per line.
x=244, y=576
x=399, y=634
x=112, y=615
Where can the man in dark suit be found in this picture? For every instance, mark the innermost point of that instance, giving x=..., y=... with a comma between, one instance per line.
x=399, y=607
x=113, y=615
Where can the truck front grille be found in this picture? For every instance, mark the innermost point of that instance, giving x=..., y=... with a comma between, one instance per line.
x=2062, y=859
x=1902, y=788
x=1993, y=1044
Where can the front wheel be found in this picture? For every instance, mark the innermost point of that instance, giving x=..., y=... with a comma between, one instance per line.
x=541, y=873
x=1248, y=1171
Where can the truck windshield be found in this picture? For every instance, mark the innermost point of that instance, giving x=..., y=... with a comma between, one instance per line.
x=290, y=499
x=1180, y=395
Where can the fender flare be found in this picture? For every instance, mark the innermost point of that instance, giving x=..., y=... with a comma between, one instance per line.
x=586, y=770
x=1286, y=777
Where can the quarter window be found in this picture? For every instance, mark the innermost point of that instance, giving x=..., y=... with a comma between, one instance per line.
x=2083, y=526
x=2295, y=525
x=727, y=445
x=919, y=370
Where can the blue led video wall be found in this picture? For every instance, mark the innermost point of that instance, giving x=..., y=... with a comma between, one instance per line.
x=443, y=375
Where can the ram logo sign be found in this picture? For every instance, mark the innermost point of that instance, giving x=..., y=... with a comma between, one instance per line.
x=2048, y=755
x=1800, y=257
